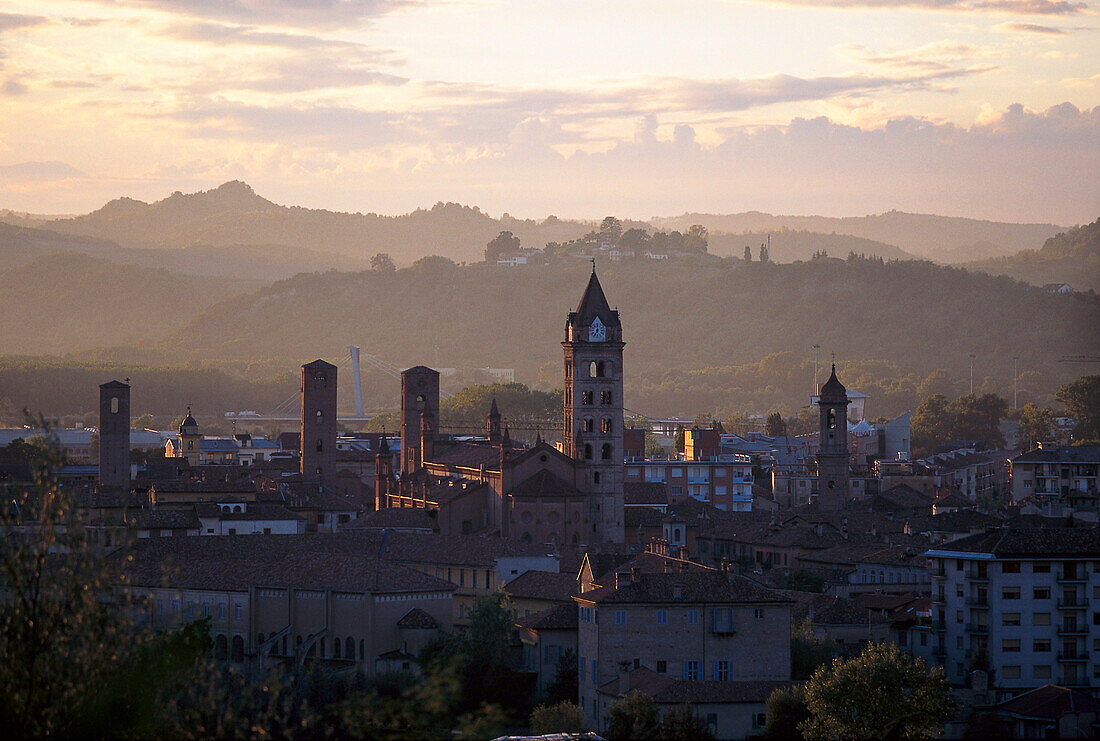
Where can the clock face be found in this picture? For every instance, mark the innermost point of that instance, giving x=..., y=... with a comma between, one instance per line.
x=597, y=332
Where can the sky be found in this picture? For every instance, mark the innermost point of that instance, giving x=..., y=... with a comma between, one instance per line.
x=982, y=108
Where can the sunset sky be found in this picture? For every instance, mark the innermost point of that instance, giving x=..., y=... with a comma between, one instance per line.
x=982, y=108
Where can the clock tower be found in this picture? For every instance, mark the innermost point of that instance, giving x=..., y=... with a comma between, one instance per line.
x=593, y=405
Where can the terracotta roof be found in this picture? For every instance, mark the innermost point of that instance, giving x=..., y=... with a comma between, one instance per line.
x=904, y=496
x=1033, y=542
x=408, y=518
x=644, y=493
x=466, y=454
x=1050, y=702
x=558, y=617
x=1061, y=453
x=253, y=511
x=666, y=690
x=545, y=585
x=828, y=609
x=162, y=519
x=235, y=563
x=417, y=619
x=700, y=587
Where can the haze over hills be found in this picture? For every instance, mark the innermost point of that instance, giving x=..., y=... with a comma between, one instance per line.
x=945, y=239
x=233, y=215
x=1071, y=257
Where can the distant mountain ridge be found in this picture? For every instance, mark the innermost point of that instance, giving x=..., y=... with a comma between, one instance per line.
x=946, y=239
x=233, y=214
x=1071, y=257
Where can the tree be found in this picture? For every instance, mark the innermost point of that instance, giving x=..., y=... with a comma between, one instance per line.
x=786, y=710
x=382, y=263
x=610, y=230
x=682, y=723
x=1081, y=398
x=679, y=441
x=696, y=239
x=500, y=244
x=764, y=256
x=634, y=239
x=633, y=718
x=564, y=686
x=880, y=694
x=748, y=253
x=774, y=425
x=930, y=423
x=974, y=417
x=565, y=717
x=808, y=652
x=1036, y=425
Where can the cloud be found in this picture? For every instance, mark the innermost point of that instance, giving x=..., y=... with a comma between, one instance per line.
x=39, y=171
x=300, y=13
x=1017, y=7
x=1030, y=28
x=936, y=56
x=13, y=87
x=1081, y=81
x=9, y=21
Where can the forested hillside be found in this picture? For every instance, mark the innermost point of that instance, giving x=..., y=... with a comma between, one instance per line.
x=941, y=238
x=788, y=245
x=1071, y=257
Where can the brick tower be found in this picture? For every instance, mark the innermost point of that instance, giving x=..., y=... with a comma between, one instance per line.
x=832, y=452
x=419, y=400
x=114, y=436
x=593, y=405
x=318, y=421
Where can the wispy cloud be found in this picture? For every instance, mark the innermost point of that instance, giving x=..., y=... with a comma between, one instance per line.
x=298, y=13
x=1017, y=7
x=9, y=21
x=1030, y=28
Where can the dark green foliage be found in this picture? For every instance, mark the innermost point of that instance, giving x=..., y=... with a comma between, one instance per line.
x=808, y=651
x=774, y=425
x=499, y=245
x=562, y=717
x=786, y=710
x=682, y=723
x=1068, y=257
x=971, y=417
x=517, y=403
x=564, y=687
x=633, y=718
x=1081, y=398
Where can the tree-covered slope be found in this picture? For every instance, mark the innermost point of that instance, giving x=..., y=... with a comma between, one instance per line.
x=1071, y=257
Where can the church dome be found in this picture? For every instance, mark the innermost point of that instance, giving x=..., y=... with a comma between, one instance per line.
x=833, y=388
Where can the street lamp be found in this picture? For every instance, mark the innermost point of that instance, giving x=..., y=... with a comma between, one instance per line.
x=816, y=387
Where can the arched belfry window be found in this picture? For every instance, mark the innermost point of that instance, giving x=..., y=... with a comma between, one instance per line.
x=320, y=446
x=587, y=452
x=605, y=452
x=588, y=424
x=593, y=369
x=831, y=419
x=114, y=405
x=320, y=416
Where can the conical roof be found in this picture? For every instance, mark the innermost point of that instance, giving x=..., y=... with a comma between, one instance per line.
x=594, y=303
x=833, y=388
x=493, y=411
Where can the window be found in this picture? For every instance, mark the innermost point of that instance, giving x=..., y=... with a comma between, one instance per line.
x=758, y=613
x=620, y=617
x=1041, y=593
x=1010, y=567
x=691, y=671
x=595, y=672
x=1041, y=646
x=1010, y=645
x=958, y=564
x=722, y=671
x=114, y=405
x=605, y=452
x=693, y=617
x=580, y=668
x=662, y=617
x=588, y=424
x=221, y=611
x=1040, y=567
x=605, y=425
x=586, y=397
x=320, y=416
x=237, y=613
x=1039, y=618
x=1040, y=671
x=958, y=616
x=712, y=720
x=1010, y=672
x=1010, y=593
x=662, y=667
x=958, y=590
x=587, y=451
x=1012, y=618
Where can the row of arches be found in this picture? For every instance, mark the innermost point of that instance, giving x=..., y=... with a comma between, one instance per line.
x=606, y=451
x=606, y=425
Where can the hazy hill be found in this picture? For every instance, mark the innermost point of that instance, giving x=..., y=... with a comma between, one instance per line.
x=67, y=302
x=788, y=245
x=941, y=238
x=233, y=214
x=682, y=322
x=255, y=264
x=1069, y=257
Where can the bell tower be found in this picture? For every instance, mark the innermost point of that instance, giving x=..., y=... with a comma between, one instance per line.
x=593, y=407
x=832, y=453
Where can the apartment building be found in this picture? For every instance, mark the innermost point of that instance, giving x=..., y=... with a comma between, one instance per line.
x=1052, y=470
x=1023, y=603
x=724, y=481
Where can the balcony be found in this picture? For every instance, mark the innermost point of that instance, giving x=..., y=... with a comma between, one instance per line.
x=979, y=602
x=1073, y=577
x=975, y=575
x=977, y=628
x=1073, y=658
x=1073, y=630
x=939, y=625
x=1072, y=605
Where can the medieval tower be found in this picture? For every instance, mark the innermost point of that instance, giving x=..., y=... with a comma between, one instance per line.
x=419, y=415
x=832, y=453
x=318, y=421
x=114, y=436
x=593, y=406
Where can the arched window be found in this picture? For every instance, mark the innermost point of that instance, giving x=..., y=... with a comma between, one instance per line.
x=320, y=446
x=237, y=653
x=605, y=425
x=596, y=477
x=605, y=452
x=221, y=648
x=190, y=444
x=114, y=405
x=588, y=425
x=320, y=416
x=349, y=648
x=831, y=419
x=336, y=649
x=593, y=369
x=605, y=397
x=237, y=508
x=587, y=452
x=575, y=539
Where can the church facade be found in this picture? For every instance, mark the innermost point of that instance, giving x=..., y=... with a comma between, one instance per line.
x=533, y=495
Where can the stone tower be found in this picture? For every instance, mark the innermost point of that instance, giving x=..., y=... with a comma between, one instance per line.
x=318, y=421
x=492, y=424
x=593, y=429
x=190, y=439
x=383, y=474
x=419, y=401
x=114, y=436
x=832, y=452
